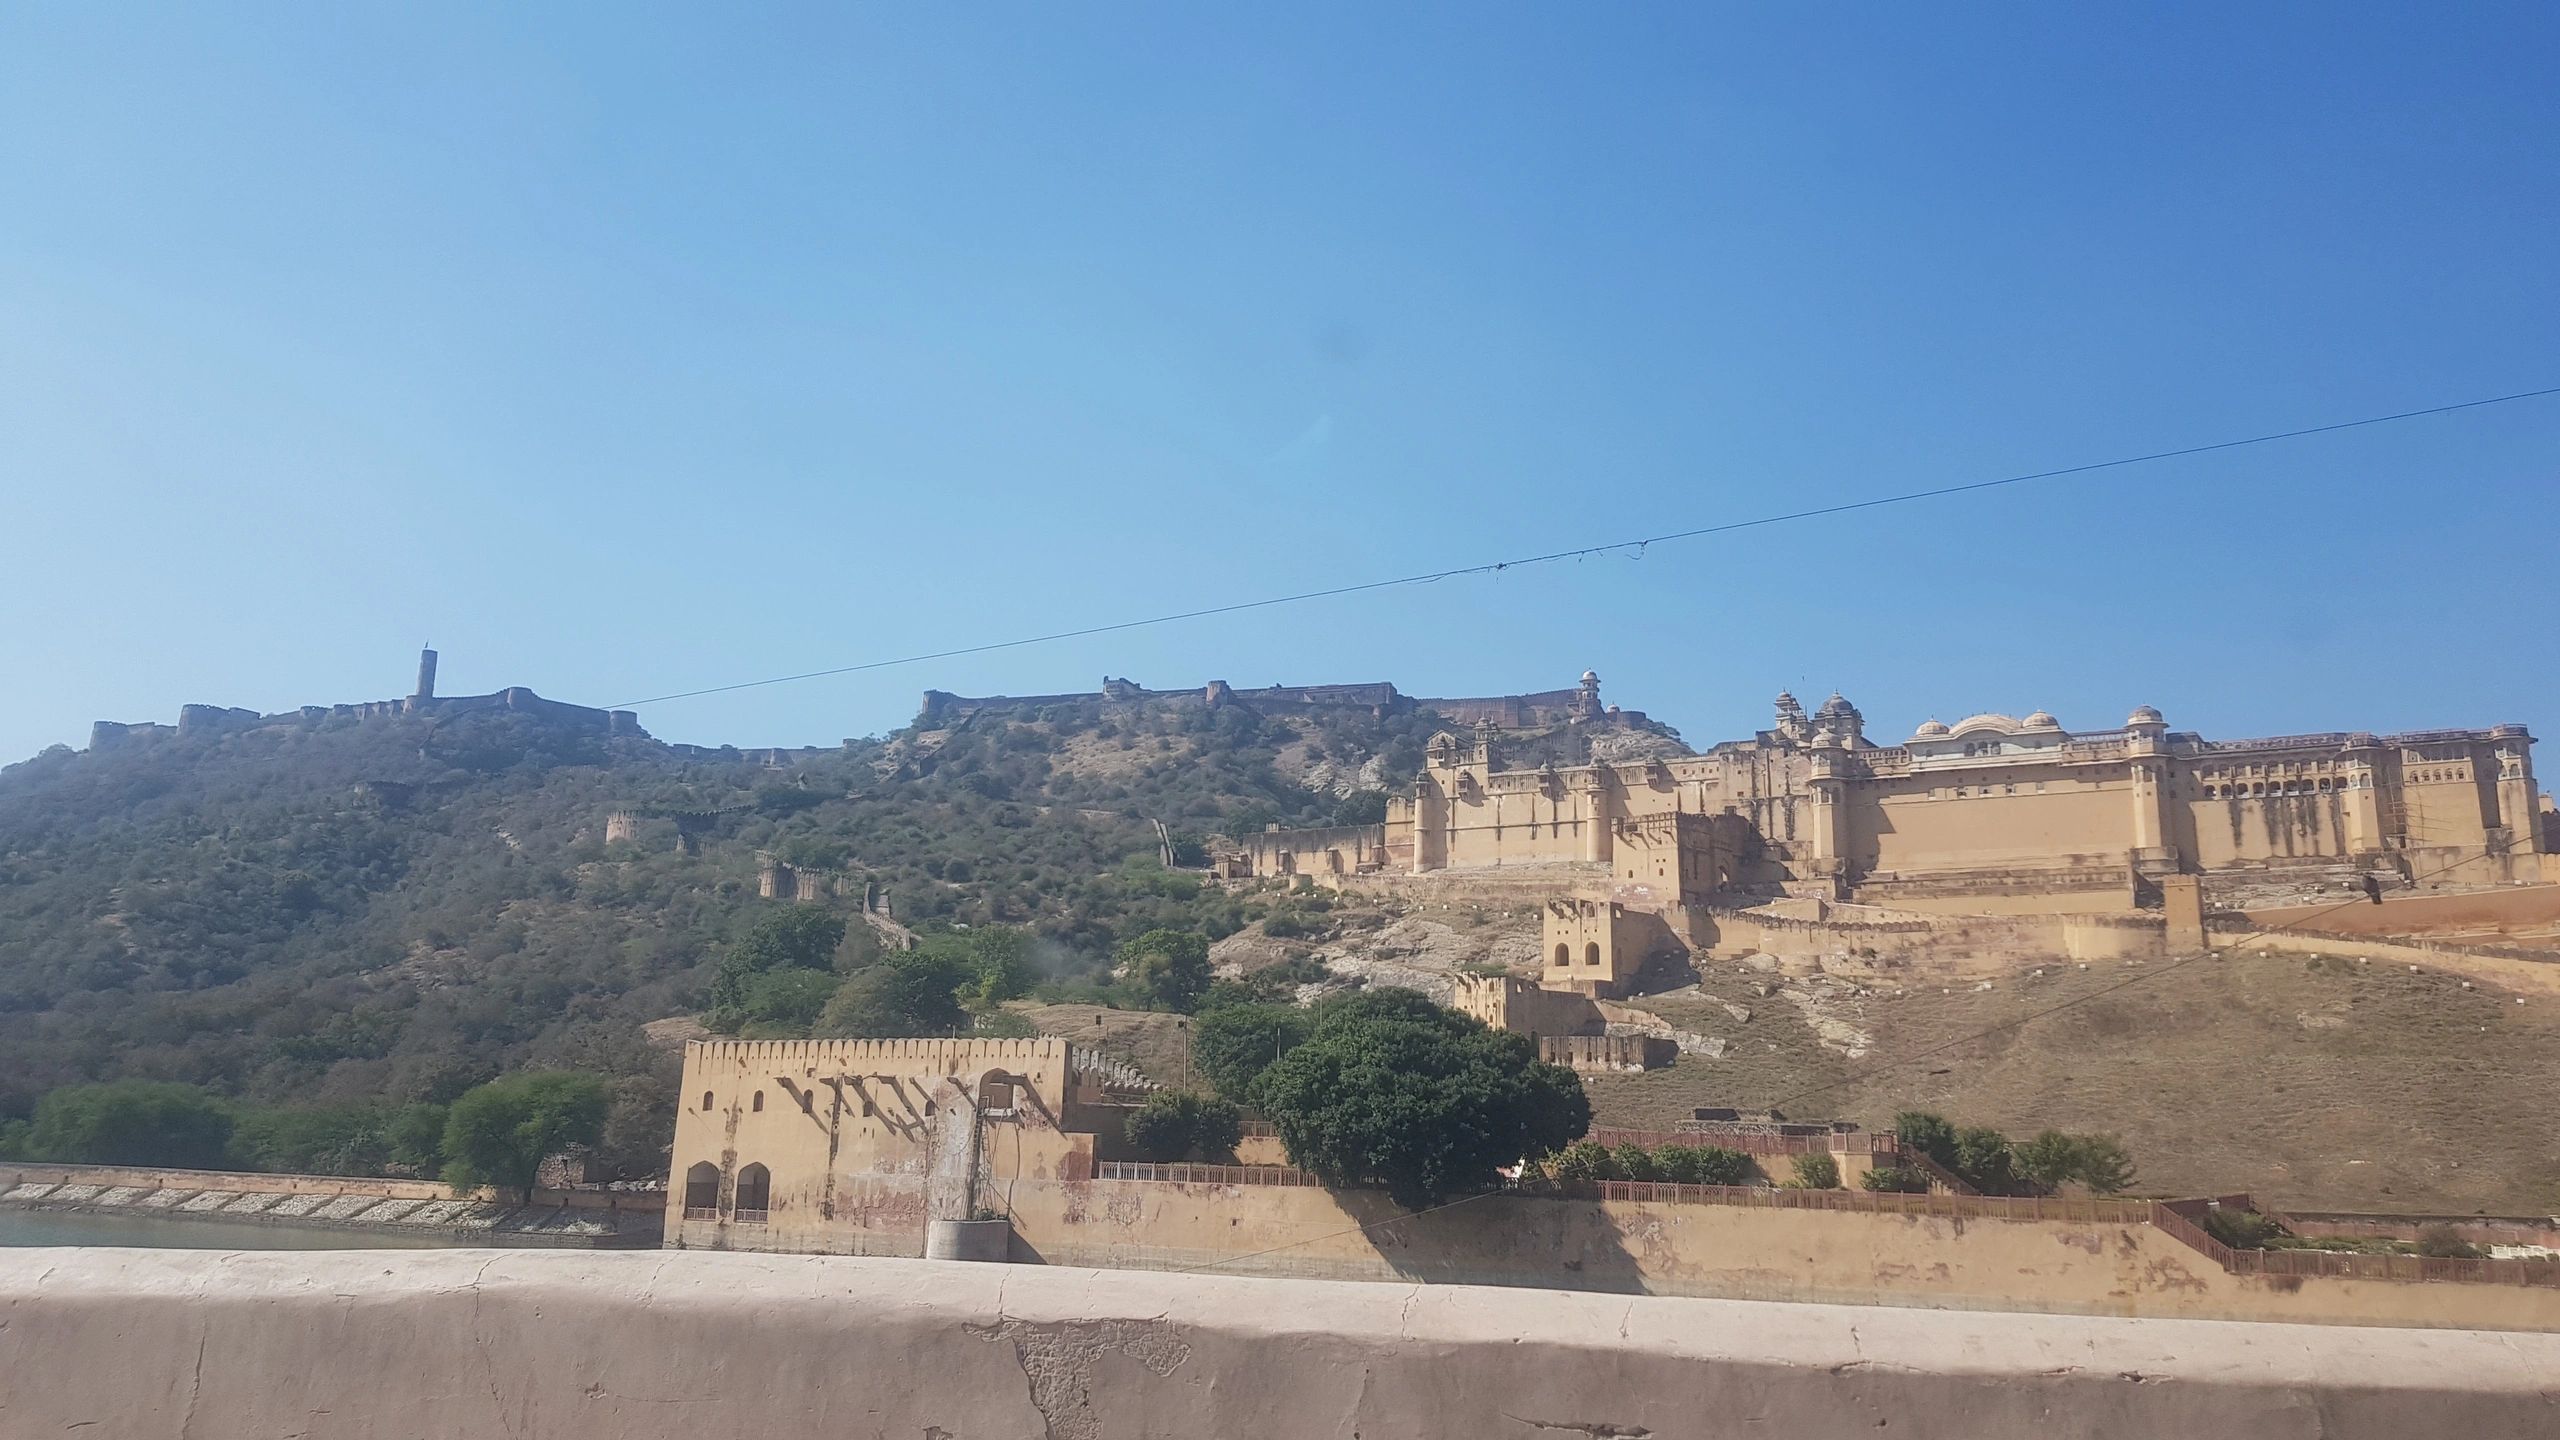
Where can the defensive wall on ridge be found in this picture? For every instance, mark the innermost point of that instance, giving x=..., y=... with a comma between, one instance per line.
x=466, y=1345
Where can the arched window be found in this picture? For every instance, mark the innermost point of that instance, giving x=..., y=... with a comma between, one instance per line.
x=706, y=1099
x=1591, y=953
x=1564, y=956
x=995, y=1093
x=759, y=1105
x=755, y=1193
x=702, y=1191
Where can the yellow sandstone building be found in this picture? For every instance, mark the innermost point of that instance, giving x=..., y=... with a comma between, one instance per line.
x=1990, y=809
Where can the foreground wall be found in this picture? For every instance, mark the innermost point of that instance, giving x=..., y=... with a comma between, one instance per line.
x=156, y=1345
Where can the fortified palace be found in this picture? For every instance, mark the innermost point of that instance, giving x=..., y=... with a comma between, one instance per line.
x=1988, y=807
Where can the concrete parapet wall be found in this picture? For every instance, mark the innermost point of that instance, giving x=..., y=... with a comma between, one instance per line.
x=465, y=1345
x=1961, y=1258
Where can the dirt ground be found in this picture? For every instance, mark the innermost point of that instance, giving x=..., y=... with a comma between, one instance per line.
x=2314, y=1083
x=1158, y=1044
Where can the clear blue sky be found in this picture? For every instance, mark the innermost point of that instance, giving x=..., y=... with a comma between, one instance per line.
x=621, y=350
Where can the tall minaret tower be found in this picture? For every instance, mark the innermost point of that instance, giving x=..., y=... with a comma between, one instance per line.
x=426, y=675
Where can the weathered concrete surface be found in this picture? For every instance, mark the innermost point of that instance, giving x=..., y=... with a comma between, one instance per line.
x=357, y=1345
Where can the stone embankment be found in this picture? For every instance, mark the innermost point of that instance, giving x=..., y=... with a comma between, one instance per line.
x=426, y=1345
x=554, y=1217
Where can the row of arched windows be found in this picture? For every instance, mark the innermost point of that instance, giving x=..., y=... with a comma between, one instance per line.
x=750, y=1204
x=2323, y=785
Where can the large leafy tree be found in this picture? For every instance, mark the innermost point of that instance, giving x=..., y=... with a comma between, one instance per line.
x=1233, y=1044
x=131, y=1122
x=796, y=937
x=1167, y=969
x=500, y=1133
x=908, y=994
x=1178, y=1125
x=1391, y=1090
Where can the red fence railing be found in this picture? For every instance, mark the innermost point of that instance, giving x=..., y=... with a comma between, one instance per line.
x=1870, y=1202
x=1205, y=1174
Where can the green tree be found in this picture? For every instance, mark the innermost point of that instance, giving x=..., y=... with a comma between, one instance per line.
x=796, y=937
x=1584, y=1161
x=1000, y=958
x=500, y=1133
x=1634, y=1162
x=783, y=1003
x=414, y=1136
x=1179, y=1125
x=1167, y=969
x=1389, y=1089
x=1983, y=1158
x=1233, y=1044
x=908, y=994
x=132, y=1122
x=2106, y=1166
x=1929, y=1134
x=1895, y=1180
x=1703, y=1165
x=1817, y=1172
x=314, y=1140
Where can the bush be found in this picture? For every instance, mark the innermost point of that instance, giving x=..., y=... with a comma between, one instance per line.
x=787, y=1000
x=1984, y=1159
x=909, y=994
x=1585, y=1161
x=1895, y=1180
x=500, y=1133
x=1929, y=1134
x=2053, y=1159
x=1817, y=1172
x=2440, y=1242
x=1167, y=969
x=131, y=1122
x=1634, y=1162
x=1702, y=1165
x=2241, y=1229
x=1177, y=1125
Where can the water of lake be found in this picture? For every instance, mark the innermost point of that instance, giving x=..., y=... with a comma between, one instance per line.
x=51, y=1227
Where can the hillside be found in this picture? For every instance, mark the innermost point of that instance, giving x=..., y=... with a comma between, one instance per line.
x=384, y=908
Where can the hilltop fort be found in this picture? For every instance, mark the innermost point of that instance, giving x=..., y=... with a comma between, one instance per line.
x=203, y=720
x=1544, y=709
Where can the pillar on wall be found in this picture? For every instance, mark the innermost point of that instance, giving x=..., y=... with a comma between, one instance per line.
x=2182, y=905
x=2519, y=809
x=2147, y=741
x=2360, y=773
x=1599, y=818
x=1430, y=825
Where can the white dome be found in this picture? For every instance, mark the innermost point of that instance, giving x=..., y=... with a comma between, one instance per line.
x=1930, y=730
x=2143, y=715
x=2043, y=720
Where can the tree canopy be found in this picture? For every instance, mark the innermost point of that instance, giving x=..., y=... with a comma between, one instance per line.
x=1391, y=1090
x=132, y=1122
x=500, y=1133
x=1167, y=969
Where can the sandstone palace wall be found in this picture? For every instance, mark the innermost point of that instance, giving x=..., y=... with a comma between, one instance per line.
x=1992, y=807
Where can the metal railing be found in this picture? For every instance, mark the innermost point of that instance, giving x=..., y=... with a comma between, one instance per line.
x=702, y=1212
x=1205, y=1174
x=749, y=1217
x=1870, y=1202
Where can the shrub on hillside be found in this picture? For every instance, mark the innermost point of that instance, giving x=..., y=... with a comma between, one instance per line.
x=131, y=1122
x=1702, y=1165
x=1895, y=1180
x=2241, y=1229
x=1817, y=1172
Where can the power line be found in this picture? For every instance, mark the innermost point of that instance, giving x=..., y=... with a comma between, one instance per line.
x=2210, y=953
x=1638, y=546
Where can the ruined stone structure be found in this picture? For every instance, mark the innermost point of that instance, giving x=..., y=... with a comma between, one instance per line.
x=200, y=721
x=1988, y=808
x=1579, y=705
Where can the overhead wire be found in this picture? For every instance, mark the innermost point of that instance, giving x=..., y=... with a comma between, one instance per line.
x=1638, y=546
